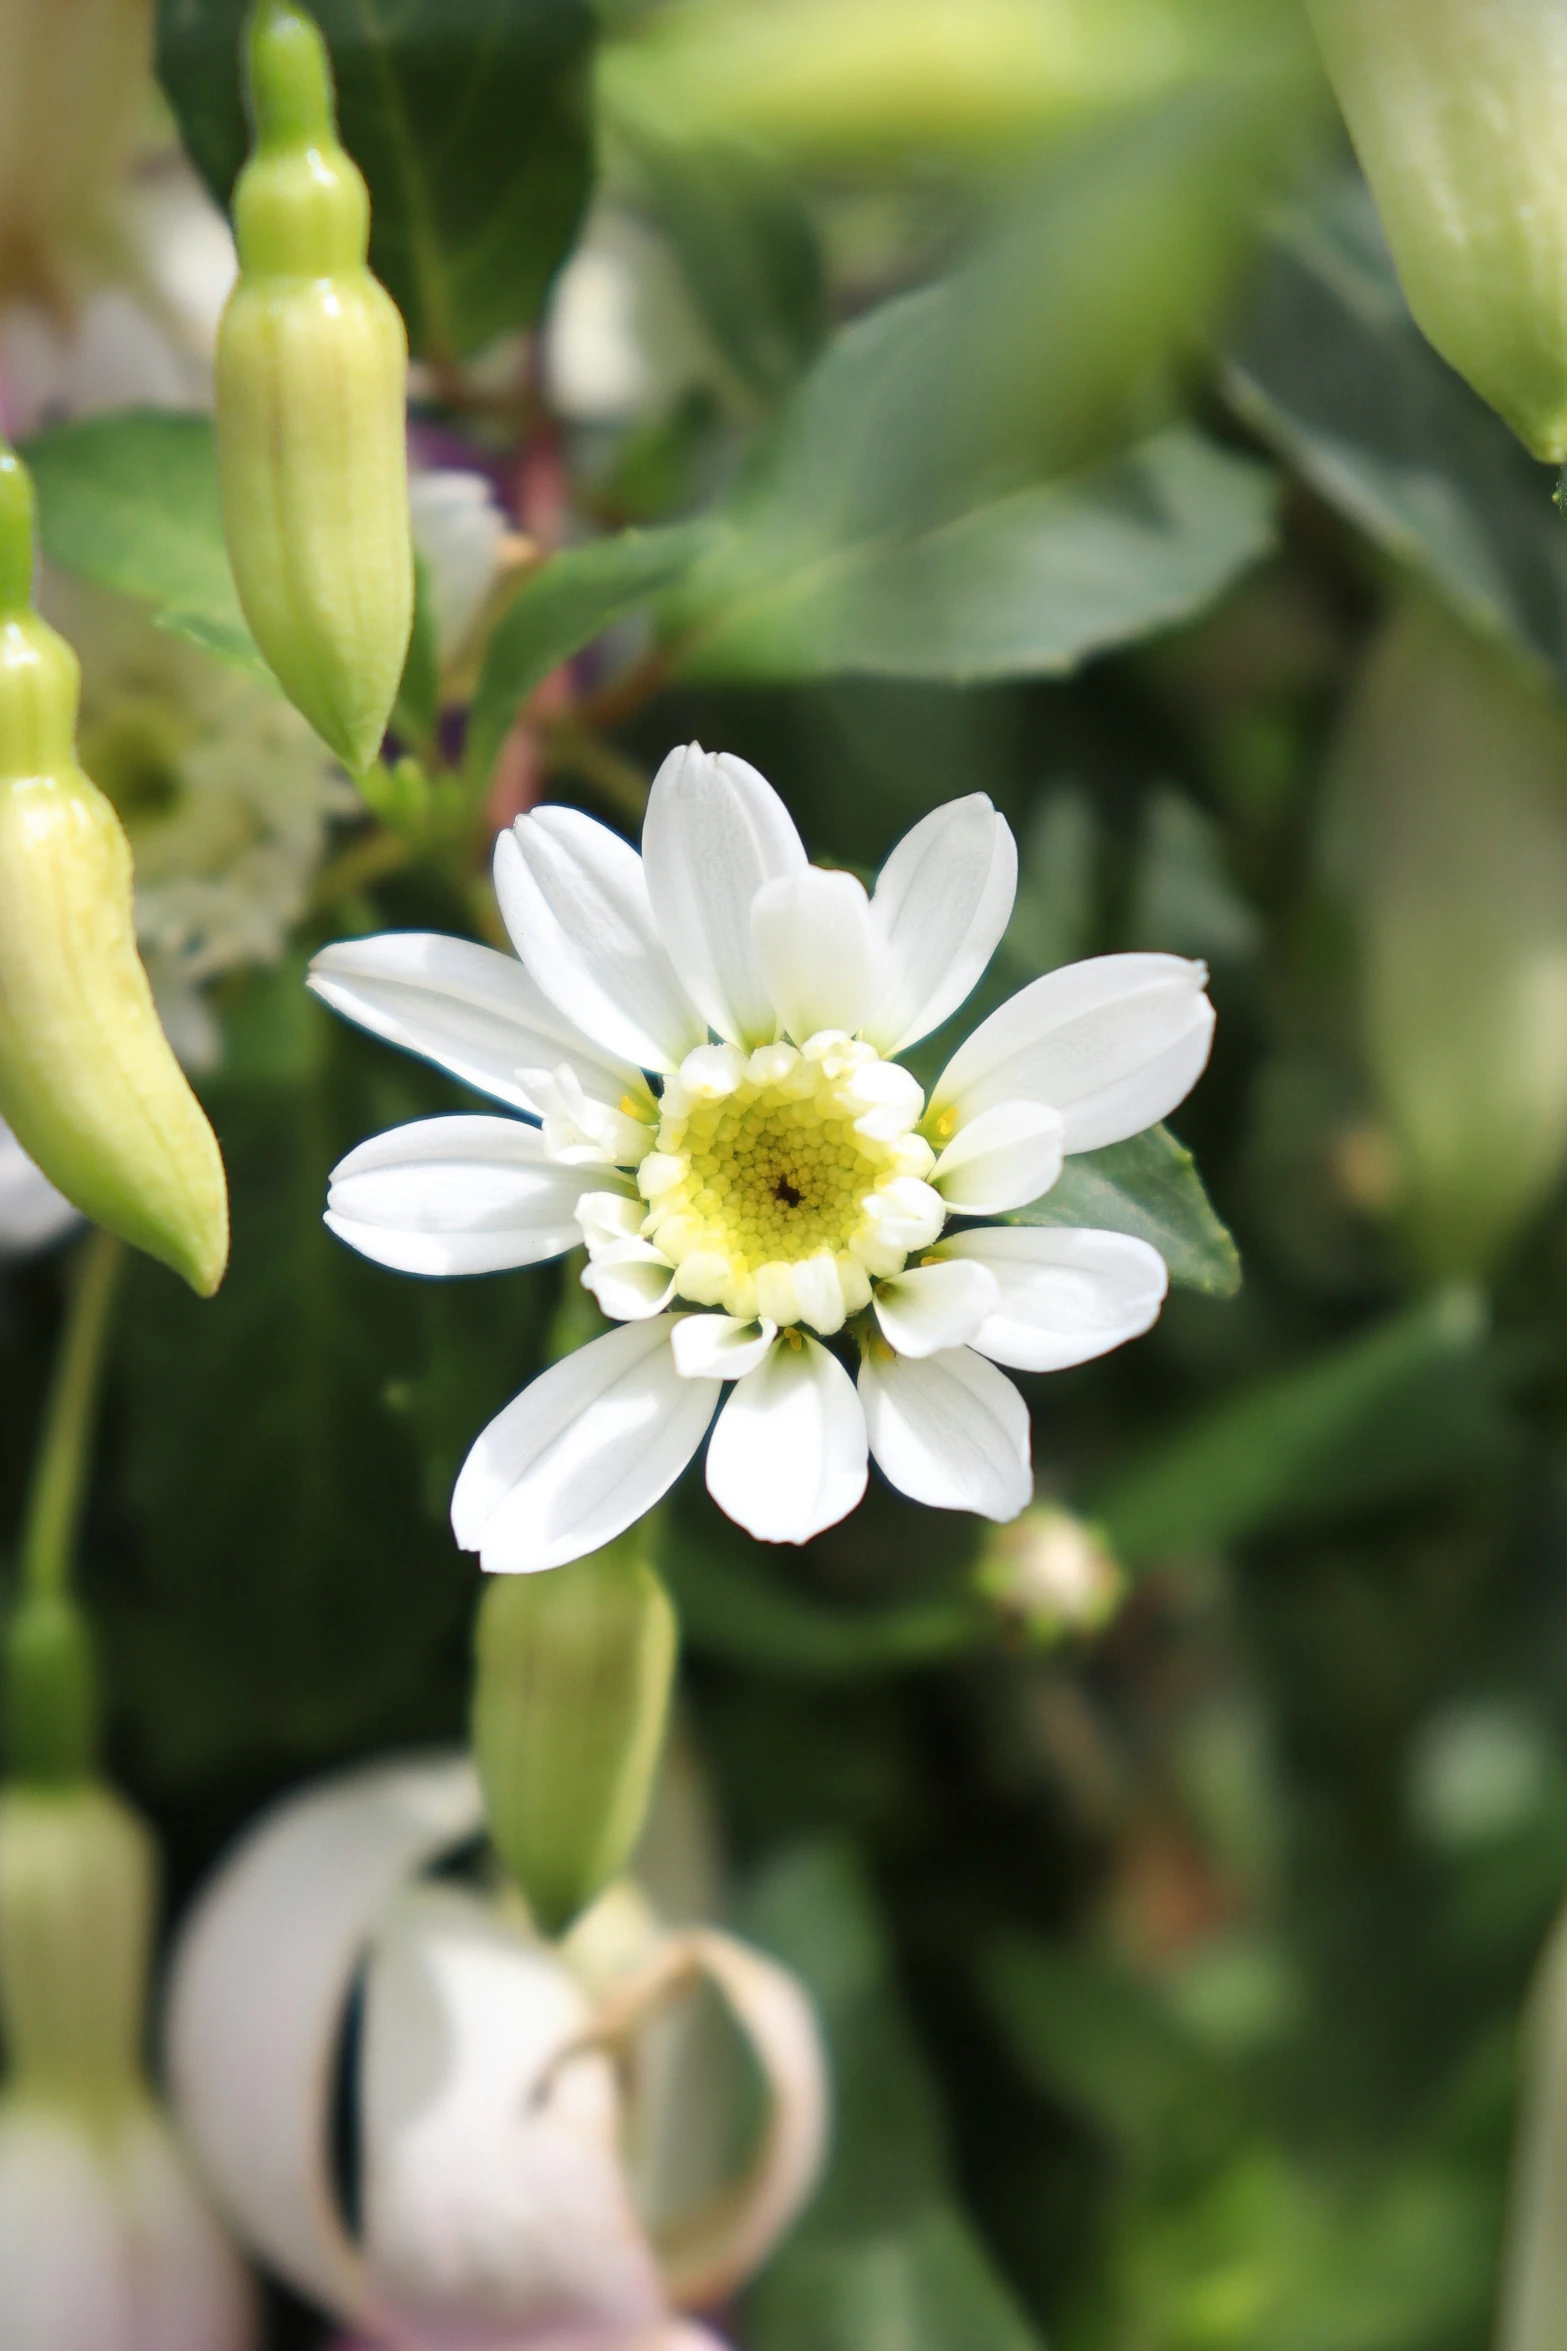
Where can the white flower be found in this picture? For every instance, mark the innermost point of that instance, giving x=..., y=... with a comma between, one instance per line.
x=622, y=338
x=707, y=1037
x=462, y=538
x=495, y=2202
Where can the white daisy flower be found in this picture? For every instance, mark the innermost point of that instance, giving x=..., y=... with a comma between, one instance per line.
x=703, y=1044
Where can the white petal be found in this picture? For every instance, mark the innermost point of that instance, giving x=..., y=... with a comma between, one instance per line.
x=907, y=1213
x=1065, y=1295
x=581, y=1453
x=259, y=1986
x=1007, y=1156
x=575, y=902
x=606, y=1217
x=934, y=1306
x=468, y=1008
x=630, y=1280
x=788, y=1452
x=942, y=901
x=456, y=1195
x=949, y=1431
x=718, y=1346
x=105, y=2241
x=496, y=2206
x=821, y=958
x=715, y=832
x=1113, y=1044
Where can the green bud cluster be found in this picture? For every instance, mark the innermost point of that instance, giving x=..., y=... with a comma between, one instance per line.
x=87, y=1078
x=312, y=370
x=571, y=1697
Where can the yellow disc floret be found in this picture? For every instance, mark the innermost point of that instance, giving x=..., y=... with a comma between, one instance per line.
x=784, y=1181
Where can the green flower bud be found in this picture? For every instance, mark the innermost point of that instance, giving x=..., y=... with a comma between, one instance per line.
x=77, y=1889
x=1455, y=111
x=1051, y=1575
x=574, y=1669
x=312, y=371
x=87, y=1079
x=1450, y=818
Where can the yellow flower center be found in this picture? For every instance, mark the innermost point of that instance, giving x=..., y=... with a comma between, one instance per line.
x=782, y=1184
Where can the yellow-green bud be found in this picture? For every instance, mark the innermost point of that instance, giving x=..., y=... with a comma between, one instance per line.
x=312, y=372
x=1456, y=112
x=571, y=1696
x=87, y=1079
x=1051, y=1574
x=1450, y=839
x=77, y=1889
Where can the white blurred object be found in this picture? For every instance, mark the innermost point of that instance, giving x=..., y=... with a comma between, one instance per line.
x=32, y=1212
x=1478, y=1770
x=461, y=536
x=106, y=2244
x=622, y=338
x=498, y=2212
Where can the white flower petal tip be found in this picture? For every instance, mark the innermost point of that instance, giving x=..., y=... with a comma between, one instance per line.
x=575, y=900
x=942, y=901
x=455, y=1196
x=1064, y=1295
x=630, y=1279
x=1114, y=1044
x=935, y=1306
x=718, y=1347
x=787, y=1456
x=105, y=2241
x=467, y=1008
x=1008, y=1155
x=576, y=1458
x=715, y=832
x=949, y=1430
x=259, y=1982
x=821, y=958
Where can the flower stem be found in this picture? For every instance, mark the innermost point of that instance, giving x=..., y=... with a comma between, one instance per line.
x=55, y=1501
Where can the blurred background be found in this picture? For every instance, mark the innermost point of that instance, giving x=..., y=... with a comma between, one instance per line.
x=1019, y=398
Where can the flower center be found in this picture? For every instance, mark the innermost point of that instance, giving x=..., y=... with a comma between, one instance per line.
x=784, y=1182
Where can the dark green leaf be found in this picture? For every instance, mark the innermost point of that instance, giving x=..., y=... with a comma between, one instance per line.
x=131, y=501
x=738, y=1607
x=568, y=602
x=1148, y=1186
x=1406, y=1404
x=469, y=119
x=884, y=2254
x=1330, y=368
x=1029, y=584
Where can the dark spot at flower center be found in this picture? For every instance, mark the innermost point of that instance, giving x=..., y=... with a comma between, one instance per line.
x=784, y=1191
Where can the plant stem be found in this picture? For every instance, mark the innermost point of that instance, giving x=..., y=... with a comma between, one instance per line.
x=55, y=1502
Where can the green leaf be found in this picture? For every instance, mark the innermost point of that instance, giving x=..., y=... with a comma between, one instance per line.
x=1148, y=1186
x=736, y=1607
x=1027, y=585
x=469, y=119
x=568, y=601
x=747, y=249
x=884, y=2255
x=131, y=502
x=1407, y=1404
x=1331, y=370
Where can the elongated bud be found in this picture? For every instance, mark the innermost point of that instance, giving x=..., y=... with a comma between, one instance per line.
x=312, y=371
x=570, y=1701
x=87, y=1079
x=77, y=1887
x=1456, y=114
x=1451, y=812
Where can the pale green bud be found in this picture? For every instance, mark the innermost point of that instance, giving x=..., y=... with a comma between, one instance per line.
x=78, y=1885
x=312, y=370
x=1456, y=112
x=574, y=1669
x=87, y=1079
x=1451, y=822
x=1051, y=1574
